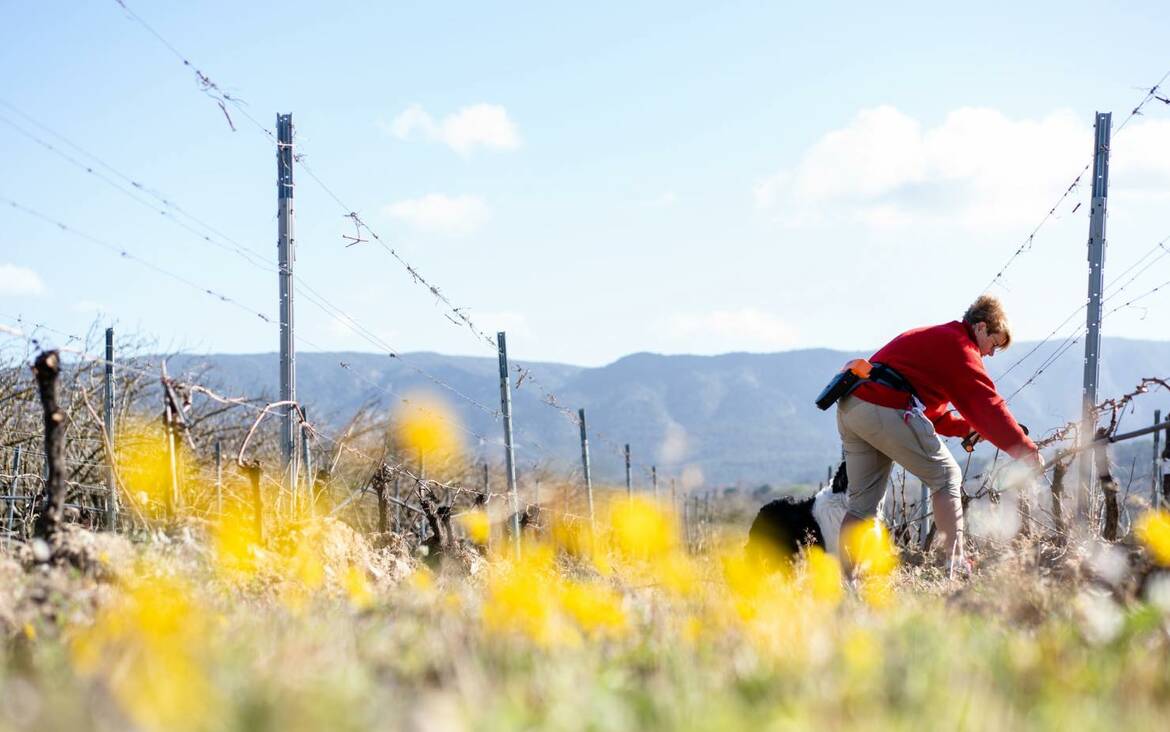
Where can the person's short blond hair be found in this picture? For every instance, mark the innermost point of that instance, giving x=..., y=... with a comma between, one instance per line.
x=988, y=309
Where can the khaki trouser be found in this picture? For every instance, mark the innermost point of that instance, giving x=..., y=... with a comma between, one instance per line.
x=876, y=437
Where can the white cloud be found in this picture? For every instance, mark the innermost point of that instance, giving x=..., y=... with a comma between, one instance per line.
x=16, y=281
x=745, y=329
x=977, y=169
x=440, y=214
x=479, y=125
x=1139, y=158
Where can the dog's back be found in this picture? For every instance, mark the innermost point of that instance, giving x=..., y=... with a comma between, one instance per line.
x=784, y=526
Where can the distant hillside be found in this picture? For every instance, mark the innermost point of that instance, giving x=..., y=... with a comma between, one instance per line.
x=740, y=417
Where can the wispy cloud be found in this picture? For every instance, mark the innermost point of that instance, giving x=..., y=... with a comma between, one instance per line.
x=479, y=125
x=441, y=214
x=16, y=281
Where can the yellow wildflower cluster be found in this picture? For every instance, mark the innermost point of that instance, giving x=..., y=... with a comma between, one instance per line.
x=533, y=599
x=143, y=461
x=296, y=566
x=477, y=525
x=1153, y=531
x=636, y=547
x=874, y=556
x=427, y=427
x=148, y=645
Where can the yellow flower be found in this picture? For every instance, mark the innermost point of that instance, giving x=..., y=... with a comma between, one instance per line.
x=477, y=525
x=869, y=547
x=572, y=536
x=676, y=573
x=823, y=573
x=640, y=529
x=519, y=601
x=878, y=592
x=357, y=588
x=596, y=609
x=305, y=565
x=743, y=578
x=427, y=426
x=235, y=538
x=1153, y=530
x=421, y=579
x=144, y=463
x=149, y=645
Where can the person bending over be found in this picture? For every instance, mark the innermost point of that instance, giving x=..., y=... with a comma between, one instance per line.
x=899, y=418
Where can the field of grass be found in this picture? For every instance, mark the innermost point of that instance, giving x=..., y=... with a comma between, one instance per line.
x=321, y=629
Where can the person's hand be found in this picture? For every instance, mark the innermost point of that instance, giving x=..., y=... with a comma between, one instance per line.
x=1035, y=462
x=970, y=440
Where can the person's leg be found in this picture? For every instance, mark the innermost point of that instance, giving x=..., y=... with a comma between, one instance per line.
x=868, y=469
x=947, y=506
x=910, y=439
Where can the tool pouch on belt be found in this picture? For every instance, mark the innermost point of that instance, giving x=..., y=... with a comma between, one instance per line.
x=844, y=382
x=855, y=372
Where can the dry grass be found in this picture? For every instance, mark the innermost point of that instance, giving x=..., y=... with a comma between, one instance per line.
x=322, y=630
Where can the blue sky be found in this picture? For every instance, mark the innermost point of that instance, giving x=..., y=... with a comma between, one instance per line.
x=597, y=180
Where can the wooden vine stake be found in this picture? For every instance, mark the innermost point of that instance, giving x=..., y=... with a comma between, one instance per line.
x=51, y=502
x=1108, y=485
x=1058, y=472
x=252, y=470
x=380, y=483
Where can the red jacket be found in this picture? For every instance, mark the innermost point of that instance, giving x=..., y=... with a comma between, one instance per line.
x=943, y=364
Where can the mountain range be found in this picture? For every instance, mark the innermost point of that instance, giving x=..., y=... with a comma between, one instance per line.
x=733, y=419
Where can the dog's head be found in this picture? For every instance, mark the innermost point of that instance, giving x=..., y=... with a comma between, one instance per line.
x=780, y=530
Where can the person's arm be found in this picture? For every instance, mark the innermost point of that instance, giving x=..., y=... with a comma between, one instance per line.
x=952, y=424
x=973, y=393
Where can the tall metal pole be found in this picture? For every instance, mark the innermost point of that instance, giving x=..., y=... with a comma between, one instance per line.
x=585, y=462
x=108, y=420
x=506, y=410
x=286, y=253
x=629, y=483
x=1156, y=467
x=1096, y=251
x=654, y=480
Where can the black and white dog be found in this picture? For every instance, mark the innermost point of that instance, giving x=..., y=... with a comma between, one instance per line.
x=784, y=526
